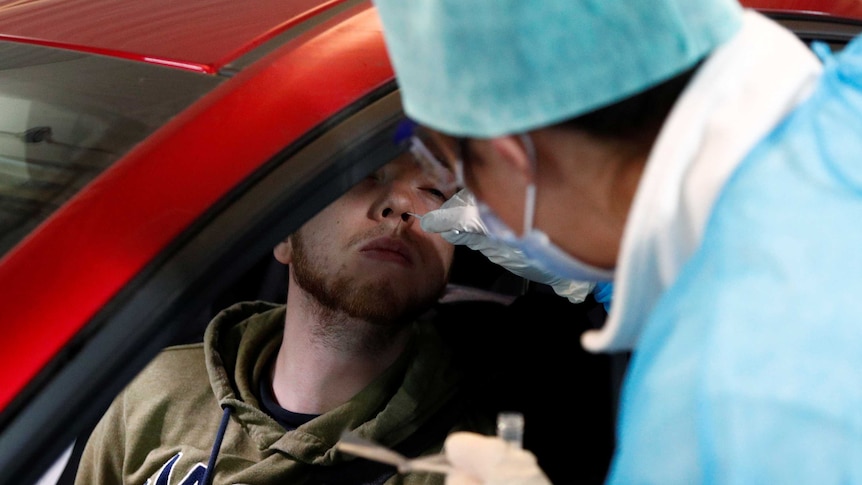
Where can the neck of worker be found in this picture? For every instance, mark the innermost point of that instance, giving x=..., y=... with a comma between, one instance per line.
x=326, y=357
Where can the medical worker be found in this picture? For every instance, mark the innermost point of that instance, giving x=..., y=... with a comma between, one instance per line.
x=710, y=164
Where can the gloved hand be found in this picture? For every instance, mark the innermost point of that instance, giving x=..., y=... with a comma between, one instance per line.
x=603, y=293
x=457, y=220
x=488, y=460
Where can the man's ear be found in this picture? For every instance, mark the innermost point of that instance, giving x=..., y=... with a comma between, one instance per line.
x=283, y=251
x=512, y=150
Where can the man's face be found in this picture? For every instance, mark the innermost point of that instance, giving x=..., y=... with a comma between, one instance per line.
x=364, y=255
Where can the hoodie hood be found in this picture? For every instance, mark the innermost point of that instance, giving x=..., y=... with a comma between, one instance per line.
x=243, y=339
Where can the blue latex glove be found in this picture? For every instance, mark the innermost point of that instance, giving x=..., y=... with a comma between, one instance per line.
x=603, y=292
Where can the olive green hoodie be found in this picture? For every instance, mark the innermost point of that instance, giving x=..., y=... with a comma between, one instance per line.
x=161, y=429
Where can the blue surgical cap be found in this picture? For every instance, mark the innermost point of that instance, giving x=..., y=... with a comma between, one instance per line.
x=483, y=68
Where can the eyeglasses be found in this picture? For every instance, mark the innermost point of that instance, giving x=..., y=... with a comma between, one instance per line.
x=434, y=165
x=446, y=169
x=452, y=152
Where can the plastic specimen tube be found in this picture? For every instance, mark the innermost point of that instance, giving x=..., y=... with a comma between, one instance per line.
x=510, y=427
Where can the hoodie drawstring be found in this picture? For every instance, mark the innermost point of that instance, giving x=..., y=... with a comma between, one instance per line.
x=208, y=475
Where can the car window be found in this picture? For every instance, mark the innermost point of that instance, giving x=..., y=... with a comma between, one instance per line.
x=66, y=117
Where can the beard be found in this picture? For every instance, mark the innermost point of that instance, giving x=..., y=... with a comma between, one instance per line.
x=379, y=303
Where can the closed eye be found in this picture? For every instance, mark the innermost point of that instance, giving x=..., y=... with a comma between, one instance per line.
x=437, y=193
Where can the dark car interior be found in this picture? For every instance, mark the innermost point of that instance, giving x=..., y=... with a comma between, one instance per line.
x=521, y=345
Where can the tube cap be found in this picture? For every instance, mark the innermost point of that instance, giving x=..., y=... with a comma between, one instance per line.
x=485, y=68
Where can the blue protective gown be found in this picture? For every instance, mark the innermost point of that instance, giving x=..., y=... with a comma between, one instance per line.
x=748, y=366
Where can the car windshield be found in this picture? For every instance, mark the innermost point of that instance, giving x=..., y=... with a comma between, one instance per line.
x=66, y=117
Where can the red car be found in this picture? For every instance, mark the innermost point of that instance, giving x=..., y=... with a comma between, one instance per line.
x=152, y=152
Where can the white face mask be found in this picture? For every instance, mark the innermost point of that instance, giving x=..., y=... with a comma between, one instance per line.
x=535, y=244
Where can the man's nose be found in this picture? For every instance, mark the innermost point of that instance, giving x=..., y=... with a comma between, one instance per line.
x=406, y=216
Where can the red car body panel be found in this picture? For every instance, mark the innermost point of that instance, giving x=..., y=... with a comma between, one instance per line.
x=847, y=9
x=105, y=235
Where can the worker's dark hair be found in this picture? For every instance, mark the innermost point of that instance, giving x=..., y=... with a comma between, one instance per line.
x=638, y=117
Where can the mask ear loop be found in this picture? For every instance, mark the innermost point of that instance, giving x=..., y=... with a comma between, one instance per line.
x=530, y=201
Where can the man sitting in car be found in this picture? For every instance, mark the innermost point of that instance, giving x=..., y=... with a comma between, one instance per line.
x=265, y=397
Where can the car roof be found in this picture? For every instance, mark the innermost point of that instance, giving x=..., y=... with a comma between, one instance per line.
x=177, y=33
